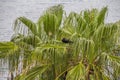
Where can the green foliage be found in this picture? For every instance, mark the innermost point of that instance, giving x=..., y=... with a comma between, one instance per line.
x=6, y=49
x=52, y=20
x=77, y=73
x=32, y=73
x=93, y=55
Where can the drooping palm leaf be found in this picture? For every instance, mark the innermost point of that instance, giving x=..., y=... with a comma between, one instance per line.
x=77, y=73
x=7, y=48
x=33, y=73
x=28, y=23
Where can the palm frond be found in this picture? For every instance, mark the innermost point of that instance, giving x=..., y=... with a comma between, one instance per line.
x=28, y=23
x=77, y=73
x=7, y=48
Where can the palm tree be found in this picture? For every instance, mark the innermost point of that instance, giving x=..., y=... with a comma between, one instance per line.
x=92, y=54
x=95, y=46
x=43, y=33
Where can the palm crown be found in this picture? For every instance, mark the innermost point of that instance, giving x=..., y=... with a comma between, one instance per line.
x=91, y=55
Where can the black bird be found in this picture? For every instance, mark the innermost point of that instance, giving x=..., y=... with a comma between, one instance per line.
x=64, y=40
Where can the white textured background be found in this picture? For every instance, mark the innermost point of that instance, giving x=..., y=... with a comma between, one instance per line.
x=32, y=9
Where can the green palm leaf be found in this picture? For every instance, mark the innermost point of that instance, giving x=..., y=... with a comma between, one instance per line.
x=101, y=16
x=28, y=23
x=77, y=73
x=33, y=73
x=7, y=48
